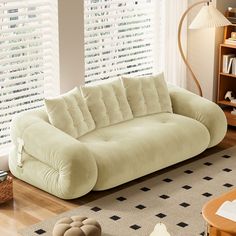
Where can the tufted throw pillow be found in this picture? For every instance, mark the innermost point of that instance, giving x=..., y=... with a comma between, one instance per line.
x=147, y=95
x=107, y=103
x=70, y=113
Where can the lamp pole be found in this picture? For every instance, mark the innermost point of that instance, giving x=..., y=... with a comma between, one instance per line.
x=181, y=48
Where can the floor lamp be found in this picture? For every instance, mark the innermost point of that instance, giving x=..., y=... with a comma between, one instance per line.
x=207, y=17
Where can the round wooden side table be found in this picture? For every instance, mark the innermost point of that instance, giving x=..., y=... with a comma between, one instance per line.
x=217, y=225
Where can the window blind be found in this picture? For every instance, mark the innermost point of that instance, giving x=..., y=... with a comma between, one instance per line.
x=28, y=58
x=120, y=38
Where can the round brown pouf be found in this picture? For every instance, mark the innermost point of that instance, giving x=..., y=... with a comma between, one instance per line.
x=77, y=226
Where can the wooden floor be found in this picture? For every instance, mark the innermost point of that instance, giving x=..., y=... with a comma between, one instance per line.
x=31, y=205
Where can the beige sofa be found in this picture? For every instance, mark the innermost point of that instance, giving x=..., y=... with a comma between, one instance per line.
x=105, y=155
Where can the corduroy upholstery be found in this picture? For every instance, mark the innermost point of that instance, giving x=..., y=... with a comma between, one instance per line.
x=70, y=113
x=147, y=95
x=121, y=147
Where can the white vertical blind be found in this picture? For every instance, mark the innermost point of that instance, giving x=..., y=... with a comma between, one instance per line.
x=28, y=58
x=119, y=38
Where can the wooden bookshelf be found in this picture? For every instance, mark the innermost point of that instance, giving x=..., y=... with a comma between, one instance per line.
x=226, y=103
x=231, y=119
x=229, y=75
x=226, y=82
x=228, y=45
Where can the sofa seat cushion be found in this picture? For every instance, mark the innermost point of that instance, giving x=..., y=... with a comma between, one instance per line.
x=107, y=102
x=132, y=149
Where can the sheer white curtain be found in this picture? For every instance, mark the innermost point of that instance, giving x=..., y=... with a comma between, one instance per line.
x=174, y=68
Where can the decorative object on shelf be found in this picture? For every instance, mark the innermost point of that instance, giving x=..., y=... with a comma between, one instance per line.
x=77, y=226
x=233, y=35
x=232, y=17
x=6, y=190
x=207, y=17
x=230, y=37
x=160, y=230
x=229, y=96
x=233, y=112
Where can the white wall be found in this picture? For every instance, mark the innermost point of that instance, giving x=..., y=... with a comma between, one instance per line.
x=203, y=51
x=71, y=43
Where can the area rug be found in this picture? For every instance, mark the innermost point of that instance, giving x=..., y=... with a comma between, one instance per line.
x=174, y=198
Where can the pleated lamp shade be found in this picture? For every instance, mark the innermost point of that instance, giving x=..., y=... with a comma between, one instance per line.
x=209, y=17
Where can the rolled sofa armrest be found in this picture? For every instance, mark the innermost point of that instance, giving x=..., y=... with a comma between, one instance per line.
x=51, y=159
x=208, y=113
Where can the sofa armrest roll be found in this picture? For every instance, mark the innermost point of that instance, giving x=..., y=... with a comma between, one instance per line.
x=208, y=113
x=51, y=159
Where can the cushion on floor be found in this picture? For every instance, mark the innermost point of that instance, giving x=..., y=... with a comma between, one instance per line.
x=77, y=226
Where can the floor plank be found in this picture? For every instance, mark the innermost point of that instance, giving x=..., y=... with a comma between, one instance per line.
x=31, y=205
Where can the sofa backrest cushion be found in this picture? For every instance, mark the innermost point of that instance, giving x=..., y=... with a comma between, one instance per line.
x=147, y=95
x=107, y=103
x=69, y=113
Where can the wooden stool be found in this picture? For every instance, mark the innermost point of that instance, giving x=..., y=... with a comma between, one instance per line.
x=6, y=190
x=77, y=226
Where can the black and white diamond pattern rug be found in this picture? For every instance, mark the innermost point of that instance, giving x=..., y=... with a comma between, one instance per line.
x=174, y=198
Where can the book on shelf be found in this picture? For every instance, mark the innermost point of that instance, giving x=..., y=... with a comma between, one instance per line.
x=232, y=9
x=229, y=67
x=227, y=62
x=234, y=66
x=232, y=19
x=231, y=41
